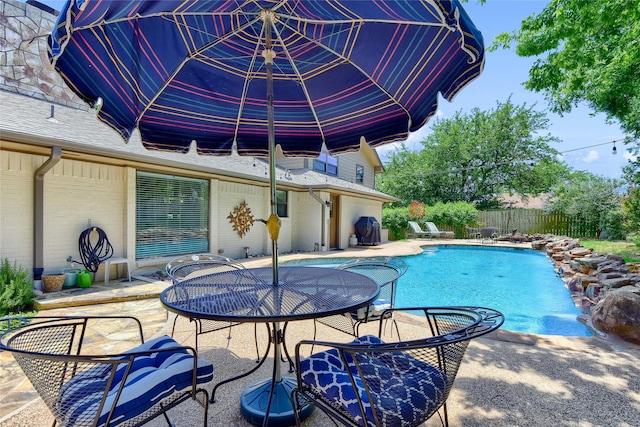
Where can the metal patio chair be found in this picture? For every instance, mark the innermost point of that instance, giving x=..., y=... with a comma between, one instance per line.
x=198, y=265
x=473, y=233
x=369, y=382
x=385, y=271
x=120, y=389
x=488, y=234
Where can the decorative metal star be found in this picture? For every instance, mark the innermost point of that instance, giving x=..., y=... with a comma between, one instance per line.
x=241, y=219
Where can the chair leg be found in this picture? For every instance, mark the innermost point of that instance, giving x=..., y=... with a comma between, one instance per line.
x=205, y=405
x=446, y=418
x=255, y=338
x=198, y=327
x=166, y=417
x=173, y=329
x=286, y=352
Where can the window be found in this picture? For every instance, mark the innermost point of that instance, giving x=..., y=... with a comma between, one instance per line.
x=172, y=215
x=326, y=163
x=281, y=203
x=359, y=174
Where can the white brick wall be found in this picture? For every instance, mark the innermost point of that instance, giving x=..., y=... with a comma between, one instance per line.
x=352, y=209
x=229, y=196
x=75, y=192
x=16, y=206
x=308, y=230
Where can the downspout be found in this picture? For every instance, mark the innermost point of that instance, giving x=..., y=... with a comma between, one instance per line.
x=324, y=207
x=38, y=216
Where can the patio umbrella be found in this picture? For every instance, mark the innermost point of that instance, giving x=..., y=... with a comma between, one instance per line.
x=252, y=74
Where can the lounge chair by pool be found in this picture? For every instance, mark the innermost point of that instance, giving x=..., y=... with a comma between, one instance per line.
x=433, y=230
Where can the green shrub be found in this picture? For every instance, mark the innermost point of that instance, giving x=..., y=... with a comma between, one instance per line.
x=396, y=220
x=16, y=292
x=454, y=214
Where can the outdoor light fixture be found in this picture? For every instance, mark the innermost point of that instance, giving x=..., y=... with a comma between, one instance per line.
x=97, y=104
x=614, y=151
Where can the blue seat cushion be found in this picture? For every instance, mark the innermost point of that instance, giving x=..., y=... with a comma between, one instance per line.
x=407, y=388
x=151, y=379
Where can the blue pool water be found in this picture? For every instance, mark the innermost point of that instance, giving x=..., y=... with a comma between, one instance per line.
x=520, y=283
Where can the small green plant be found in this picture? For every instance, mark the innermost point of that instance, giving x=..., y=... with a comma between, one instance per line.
x=16, y=292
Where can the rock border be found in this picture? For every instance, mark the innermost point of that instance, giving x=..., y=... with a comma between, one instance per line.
x=603, y=286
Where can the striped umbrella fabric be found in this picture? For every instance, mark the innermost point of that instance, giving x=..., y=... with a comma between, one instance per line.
x=342, y=71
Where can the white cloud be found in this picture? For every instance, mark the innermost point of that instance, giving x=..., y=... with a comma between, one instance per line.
x=628, y=156
x=592, y=156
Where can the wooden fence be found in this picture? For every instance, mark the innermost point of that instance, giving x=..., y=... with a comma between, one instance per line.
x=532, y=221
x=525, y=221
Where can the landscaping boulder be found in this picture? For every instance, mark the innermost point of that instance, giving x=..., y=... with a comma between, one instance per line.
x=579, y=252
x=618, y=314
x=616, y=282
x=616, y=258
x=591, y=262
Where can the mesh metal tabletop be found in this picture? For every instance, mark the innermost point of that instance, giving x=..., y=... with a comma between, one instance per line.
x=249, y=295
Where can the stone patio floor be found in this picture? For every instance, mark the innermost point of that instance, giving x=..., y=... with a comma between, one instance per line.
x=506, y=378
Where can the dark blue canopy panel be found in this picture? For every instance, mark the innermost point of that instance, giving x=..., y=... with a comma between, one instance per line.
x=183, y=71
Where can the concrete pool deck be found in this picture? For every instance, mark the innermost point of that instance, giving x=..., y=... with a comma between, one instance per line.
x=506, y=379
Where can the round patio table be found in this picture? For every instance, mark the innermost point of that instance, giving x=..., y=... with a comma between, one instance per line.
x=248, y=295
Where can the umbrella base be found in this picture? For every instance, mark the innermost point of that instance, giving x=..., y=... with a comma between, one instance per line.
x=255, y=399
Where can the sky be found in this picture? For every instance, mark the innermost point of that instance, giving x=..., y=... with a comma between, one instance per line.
x=503, y=77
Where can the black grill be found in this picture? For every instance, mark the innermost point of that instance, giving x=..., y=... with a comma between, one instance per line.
x=368, y=230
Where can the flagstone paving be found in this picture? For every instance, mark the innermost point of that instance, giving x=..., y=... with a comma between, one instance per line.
x=506, y=379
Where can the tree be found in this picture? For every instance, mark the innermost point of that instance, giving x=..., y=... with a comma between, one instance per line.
x=590, y=198
x=592, y=54
x=476, y=157
x=631, y=206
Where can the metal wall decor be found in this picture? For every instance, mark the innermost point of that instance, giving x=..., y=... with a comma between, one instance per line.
x=241, y=219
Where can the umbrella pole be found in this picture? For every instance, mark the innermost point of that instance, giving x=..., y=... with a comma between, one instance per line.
x=269, y=55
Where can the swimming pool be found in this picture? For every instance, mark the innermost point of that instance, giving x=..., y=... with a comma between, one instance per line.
x=520, y=283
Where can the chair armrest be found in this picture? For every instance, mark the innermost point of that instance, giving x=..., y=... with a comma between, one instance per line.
x=443, y=326
x=70, y=343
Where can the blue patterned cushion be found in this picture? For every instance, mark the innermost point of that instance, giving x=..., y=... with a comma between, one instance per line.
x=151, y=379
x=407, y=388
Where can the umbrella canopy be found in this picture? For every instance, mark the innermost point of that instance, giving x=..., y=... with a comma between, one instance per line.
x=184, y=71
x=255, y=73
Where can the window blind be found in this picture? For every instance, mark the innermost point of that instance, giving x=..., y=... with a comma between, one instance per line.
x=172, y=215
